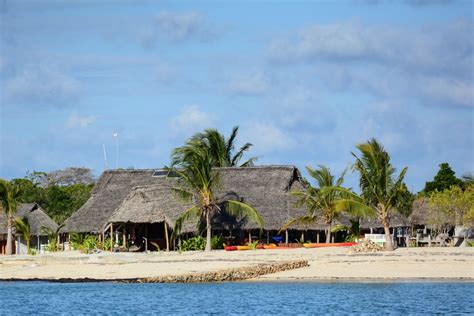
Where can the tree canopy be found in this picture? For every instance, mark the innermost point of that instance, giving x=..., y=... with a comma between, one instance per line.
x=444, y=179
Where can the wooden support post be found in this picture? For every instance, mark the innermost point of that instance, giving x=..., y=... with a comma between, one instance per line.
x=317, y=238
x=286, y=236
x=429, y=240
x=302, y=236
x=124, y=237
x=268, y=237
x=250, y=236
x=332, y=239
x=166, y=236
x=111, y=236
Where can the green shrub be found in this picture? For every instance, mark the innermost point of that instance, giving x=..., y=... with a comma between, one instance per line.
x=107, y=244
x=76, y=240
x=91, y=242
x=217, y=242
x=193, y=243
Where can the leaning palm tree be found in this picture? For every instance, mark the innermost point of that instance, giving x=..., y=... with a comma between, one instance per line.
x=222, y=150
x=198, y=182
x=381, y=191
x=23, y=227
x=319, y=202
x=9, y=197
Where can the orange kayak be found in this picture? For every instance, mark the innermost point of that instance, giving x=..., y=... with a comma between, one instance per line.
x=322, y=245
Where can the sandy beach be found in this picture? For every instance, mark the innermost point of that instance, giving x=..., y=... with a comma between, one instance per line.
x=325, y=264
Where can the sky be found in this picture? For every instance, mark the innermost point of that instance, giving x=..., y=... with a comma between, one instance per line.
x=306, y=81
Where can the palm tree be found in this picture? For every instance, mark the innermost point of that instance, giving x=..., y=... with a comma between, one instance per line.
x=222, y=149
x=319, y=202
x=198, y=180
x=23, y=227
x=9, y=197
x=381, y=192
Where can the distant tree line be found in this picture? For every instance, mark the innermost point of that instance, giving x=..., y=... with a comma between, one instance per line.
x=60, y=193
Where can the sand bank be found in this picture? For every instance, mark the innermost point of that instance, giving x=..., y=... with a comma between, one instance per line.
x=324, y=264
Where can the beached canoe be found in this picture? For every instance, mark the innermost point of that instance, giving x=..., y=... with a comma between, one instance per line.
x=323, y=245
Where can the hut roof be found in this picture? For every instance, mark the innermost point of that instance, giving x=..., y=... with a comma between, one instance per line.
x=110, y=190
x=396, y=220
x=37, y=219
x=266, y=188
x=419, y=214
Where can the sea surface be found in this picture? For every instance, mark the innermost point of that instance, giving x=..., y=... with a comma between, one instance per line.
x=33, y=298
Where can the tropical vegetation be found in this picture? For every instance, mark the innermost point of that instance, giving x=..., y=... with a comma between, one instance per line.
x=221, y=149
x=22, y=228
x=9, y=200
x=382, y=192
x=443, y=180
x=320, y=203
x=194, y=165
x=451, y=207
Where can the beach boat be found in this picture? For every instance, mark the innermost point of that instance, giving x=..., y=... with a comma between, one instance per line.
x=324, y=245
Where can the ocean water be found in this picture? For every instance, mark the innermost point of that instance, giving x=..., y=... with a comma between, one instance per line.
x=34, y=298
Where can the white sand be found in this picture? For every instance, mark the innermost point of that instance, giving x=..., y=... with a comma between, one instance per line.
x=325, y=264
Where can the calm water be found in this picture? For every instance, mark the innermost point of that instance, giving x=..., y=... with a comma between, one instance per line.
x=238, y=298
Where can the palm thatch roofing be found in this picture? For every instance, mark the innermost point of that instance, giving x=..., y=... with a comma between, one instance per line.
x=396, y=220
x=110, y=190
x=36, y=217
x=420, y=213
x=266, y=188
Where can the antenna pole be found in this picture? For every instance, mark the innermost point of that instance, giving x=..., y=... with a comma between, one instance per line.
x=105, y=157
x=117, y=150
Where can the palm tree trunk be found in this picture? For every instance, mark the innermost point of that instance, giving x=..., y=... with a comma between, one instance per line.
x=328, y=235
x=9, y=249
x=208, y=231
x=388, y=237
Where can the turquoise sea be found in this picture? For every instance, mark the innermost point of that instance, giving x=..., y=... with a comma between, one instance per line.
x=33, y=298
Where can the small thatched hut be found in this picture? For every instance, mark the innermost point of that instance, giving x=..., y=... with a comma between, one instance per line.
x=37, y=219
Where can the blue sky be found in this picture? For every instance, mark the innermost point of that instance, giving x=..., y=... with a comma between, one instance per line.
x=305, y=81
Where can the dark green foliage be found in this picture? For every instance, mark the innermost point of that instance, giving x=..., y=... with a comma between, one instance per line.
x=443, y=180
x=217, y=242
x=193, y=243
x=59, y=202
x=405, y=203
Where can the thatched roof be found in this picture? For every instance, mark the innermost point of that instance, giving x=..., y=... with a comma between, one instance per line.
x=266, y=188
x=419, y=214
x=37, y=219
x=110, y=190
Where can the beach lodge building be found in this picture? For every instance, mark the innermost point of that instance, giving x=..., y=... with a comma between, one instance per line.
x=37, y=219
x=138, y=206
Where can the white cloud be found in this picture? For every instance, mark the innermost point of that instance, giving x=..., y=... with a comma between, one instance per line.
x=191, y=120
x=76, y=120
x=266, y=137
x=42, y=85
x=432, y=63
x=250, y=84
x=176, y=27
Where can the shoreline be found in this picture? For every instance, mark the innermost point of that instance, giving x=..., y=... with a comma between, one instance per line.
x=323, y=265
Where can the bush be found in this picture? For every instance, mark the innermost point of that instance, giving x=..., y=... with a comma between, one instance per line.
x=193, y=243
x=91, y=242
x=217, y=242
x=76, y=240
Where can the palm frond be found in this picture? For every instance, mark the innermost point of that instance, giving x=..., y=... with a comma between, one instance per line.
x=236, y=208
x=190, y=213
x=308, y=219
